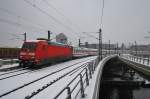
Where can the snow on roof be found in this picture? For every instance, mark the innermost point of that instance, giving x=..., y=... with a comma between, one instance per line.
x=83, y=48
x=34, y=40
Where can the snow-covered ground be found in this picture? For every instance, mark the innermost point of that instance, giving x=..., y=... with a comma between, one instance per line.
x=140, y=60
x=9, y=66
x=9, y=84
x=8, y=62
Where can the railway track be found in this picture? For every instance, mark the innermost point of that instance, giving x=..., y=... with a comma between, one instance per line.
x=13, y=71
x=9, y=68
x=48, y=75
x=15, y=74
x=54, y=81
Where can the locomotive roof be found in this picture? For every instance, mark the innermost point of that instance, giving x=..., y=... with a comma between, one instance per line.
x=56, y=43
x=34, y=41
x=49, y=42
x=83, y=48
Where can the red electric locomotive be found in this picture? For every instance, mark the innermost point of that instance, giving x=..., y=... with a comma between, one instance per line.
x=41, y=52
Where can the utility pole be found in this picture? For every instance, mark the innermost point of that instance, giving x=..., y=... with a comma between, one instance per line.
x=100, y=54
x=49, y=35
x=132, y=49
x=79, y=42
x=122, y=48
x=109, y=47
x=129, y=48
x=25, y=36
x=117, y=48
x=135, y=48
x=100, y=45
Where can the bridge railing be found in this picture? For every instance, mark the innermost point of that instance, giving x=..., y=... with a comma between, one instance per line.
x=79, y=82
x=142, y=60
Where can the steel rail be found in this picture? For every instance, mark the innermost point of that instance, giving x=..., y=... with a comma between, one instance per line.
x=22, y=86
x=54, y=81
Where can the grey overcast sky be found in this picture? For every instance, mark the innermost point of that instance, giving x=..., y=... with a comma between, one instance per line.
x=124, y=21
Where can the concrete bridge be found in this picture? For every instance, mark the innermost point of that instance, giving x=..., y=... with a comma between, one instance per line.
x=117, y=73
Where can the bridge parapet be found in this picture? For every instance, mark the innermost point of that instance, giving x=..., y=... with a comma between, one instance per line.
x=139, y=64
x=92, y=91
x=140, y=60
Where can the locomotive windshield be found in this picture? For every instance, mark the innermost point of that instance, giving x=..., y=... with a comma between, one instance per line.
x=30, y=46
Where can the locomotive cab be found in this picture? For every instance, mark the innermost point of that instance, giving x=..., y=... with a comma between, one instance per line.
x=27, y=53
x=43, y=52
x=31, y=52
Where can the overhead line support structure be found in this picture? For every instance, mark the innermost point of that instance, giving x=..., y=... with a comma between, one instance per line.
x=100, y=45
x=25, y=36
x=100, y=55
x=49, y=35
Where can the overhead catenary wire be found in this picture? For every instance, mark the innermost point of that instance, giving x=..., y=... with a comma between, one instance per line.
x=64, y=16
x=59, y=12
x=90, y=35
x=50, y=16
x=21, y=17
x=19, y=25
x=100, y=23
x=102, y=14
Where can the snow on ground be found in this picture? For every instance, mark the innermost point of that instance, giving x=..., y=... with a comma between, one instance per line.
x=143, y=62
x=9, y=66
x=89, y=92
x=14, y=72
x=17, y=81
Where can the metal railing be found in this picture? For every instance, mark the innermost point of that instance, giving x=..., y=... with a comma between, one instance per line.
x=81, y=81
x=142, y=60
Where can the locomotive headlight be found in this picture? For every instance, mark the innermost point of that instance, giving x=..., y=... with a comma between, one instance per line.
x=32, y=57
x=22, y=53
x=32, y=54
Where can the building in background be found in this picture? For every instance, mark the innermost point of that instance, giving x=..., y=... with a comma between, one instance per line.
x=140, y=50
x=95, y=46
x=140, y=47
x=8, y=53
x=61, y=38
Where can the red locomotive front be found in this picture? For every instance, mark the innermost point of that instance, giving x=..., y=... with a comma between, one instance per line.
x=41, y=52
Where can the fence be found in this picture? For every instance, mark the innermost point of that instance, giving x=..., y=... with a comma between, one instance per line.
x=8, y=61
x=8, y=53
x=142, y=60
x=81, y=81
